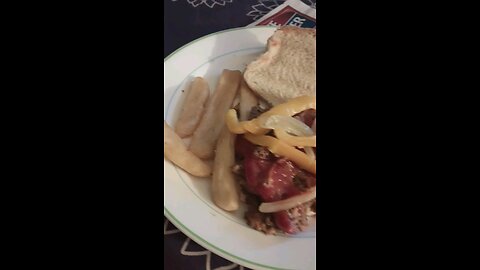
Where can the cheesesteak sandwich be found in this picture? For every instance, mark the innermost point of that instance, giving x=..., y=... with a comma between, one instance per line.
x=275, y=156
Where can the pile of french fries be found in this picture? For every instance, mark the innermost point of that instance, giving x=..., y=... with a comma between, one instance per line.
x=202, y=119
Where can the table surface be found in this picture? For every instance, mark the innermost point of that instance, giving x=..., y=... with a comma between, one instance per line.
x=185, y=21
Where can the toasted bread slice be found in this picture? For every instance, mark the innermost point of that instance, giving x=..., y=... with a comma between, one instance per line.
x=288, y=68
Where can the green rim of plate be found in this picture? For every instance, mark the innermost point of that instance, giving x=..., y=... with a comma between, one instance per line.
x=210, y=246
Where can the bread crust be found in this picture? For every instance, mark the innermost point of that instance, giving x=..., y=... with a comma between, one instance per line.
x=288, y=68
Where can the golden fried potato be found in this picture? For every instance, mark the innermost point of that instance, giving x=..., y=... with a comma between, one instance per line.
x=177, y=152
x=206, y=135
x=193, y=107
x=224, y=187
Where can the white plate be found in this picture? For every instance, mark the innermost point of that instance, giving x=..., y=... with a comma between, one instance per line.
x=188, y=203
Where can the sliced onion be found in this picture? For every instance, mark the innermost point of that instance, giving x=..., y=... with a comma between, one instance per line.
x=289, y=203
x=289, y=124
x=290, y=130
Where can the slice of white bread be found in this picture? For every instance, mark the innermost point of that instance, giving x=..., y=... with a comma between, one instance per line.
x=288, y=68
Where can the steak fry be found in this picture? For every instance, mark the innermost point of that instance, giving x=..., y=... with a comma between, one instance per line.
x=177, y=152
x=193, y=107
x=206, y=135
x=224, y=186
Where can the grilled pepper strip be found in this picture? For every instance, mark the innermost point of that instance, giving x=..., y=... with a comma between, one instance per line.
x=282, y=149
x=233, y=125
x=289, y=108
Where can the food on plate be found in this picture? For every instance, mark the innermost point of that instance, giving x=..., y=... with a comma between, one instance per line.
x=283, y=126
x=255, y=126
x=288, y=68
x=279, y=148
x=276, y=149
x=206, y=134
x=176, y=151
x=224, y=185
x=260, y=128
x=277, y=179
x=193, y=107
x=248, y=100
x=289, y=203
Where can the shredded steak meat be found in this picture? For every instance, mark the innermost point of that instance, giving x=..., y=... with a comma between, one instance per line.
x=263, y=177
x=257, y=111
x=290, y=221
x=307, y=116
x=259, y=221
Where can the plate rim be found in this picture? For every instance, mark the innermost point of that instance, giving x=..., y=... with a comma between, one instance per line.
x=184, y=229
x=212, y=34
x=217, y=250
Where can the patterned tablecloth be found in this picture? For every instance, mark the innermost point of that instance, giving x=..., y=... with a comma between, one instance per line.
x=185, y=21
